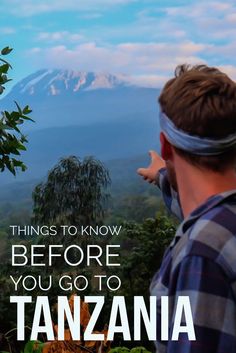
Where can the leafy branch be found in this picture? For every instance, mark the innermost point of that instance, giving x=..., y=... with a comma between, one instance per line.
x=12, y=140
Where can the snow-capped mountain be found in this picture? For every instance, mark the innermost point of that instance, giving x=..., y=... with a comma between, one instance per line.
x=66, y=97
x=82, y=113
x=58, y=82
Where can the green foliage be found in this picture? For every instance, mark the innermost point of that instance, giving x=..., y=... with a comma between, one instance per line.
x=142, y=246
x=139, y=350
x=30, y=347
x=119, y=350
x=33, y=347
x=135, y=207
x=74, y=193
x=142, y=249
x=127, y=350
x=12, y=141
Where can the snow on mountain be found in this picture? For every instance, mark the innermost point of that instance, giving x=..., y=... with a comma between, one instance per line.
x=70, y=98
x=56, y=82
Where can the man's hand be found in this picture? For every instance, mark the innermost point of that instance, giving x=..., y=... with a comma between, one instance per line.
x=150, y=173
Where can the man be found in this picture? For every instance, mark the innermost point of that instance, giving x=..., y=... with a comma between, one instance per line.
x=196, y=175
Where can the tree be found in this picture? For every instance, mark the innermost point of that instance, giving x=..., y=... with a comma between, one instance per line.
x=74, y=193
x=12, y=141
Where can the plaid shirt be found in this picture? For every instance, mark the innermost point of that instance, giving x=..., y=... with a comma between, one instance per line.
x=201, y=263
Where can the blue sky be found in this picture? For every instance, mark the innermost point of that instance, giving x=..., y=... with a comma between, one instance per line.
x=142, y=40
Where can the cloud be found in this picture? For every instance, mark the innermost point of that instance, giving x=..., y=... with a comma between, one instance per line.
x=205, y=21
x=149, y=64
x=31, y=7
x=90, y=15
x=7, y=30
x=147, y=44
x=231, y=18
x=35, y=50
x=151, y=81
x=59, y=36
x=200, y=9
x=209, y=19
x=147, y=25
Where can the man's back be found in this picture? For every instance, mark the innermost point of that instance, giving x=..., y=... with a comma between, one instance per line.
x=201, y=263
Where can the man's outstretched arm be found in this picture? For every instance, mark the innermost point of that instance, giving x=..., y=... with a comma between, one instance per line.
x=151, y=173
x=156, y=173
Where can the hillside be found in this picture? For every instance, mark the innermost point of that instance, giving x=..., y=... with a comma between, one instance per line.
x=123, y=174
x=83, y=114
x=131, y=197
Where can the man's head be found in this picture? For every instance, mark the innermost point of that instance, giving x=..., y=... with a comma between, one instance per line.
x=201, y=101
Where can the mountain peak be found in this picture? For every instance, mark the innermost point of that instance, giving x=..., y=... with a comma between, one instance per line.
x=56, y=82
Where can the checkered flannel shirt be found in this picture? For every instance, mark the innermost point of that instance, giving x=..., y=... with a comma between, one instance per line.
x=200, y=263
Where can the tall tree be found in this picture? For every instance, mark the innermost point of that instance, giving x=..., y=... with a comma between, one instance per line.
x=12, y=141
x=74, y=193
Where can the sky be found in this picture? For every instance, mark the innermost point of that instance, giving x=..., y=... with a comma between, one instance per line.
x=141, y=40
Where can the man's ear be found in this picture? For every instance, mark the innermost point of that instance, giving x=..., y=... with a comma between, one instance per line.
x=166, y=148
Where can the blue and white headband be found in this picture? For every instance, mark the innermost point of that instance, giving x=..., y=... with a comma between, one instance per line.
x=194, y=144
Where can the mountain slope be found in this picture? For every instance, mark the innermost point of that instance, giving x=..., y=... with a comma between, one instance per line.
x=57, y=82
x=63, y=97
x=83, y=114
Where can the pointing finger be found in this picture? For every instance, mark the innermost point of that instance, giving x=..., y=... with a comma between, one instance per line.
x=142, y=172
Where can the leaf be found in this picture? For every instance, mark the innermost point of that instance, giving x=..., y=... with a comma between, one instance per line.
x=4, y=68
x=4, y=61
x=38, y=347
x=27, y=110
x=21, y=147
x=23, y=167
x=139, y=350
x=18, y=107
x=33, y=347
x=3, y=78
x=119, y=350
x=6, y=51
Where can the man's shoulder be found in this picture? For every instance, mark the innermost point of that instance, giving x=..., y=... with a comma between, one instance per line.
x=212, y=236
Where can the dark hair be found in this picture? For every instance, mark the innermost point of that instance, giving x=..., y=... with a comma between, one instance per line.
x=201, y=100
